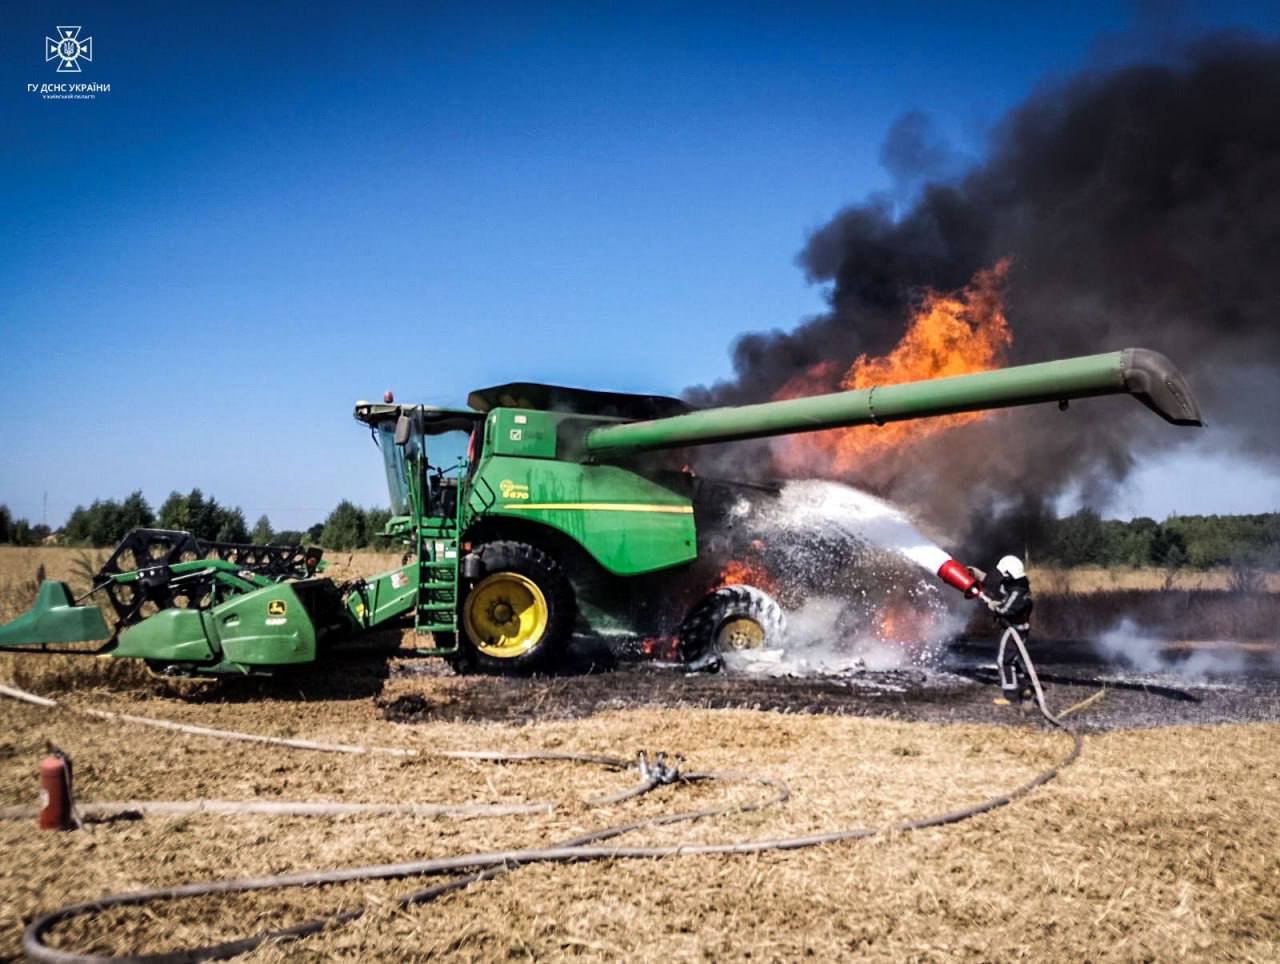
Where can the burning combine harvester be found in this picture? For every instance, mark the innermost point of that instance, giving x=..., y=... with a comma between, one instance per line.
x=558, y=520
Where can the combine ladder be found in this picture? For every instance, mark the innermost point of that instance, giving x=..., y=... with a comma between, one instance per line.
x=438, y=583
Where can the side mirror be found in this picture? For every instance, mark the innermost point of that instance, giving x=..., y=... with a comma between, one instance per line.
x=404, y=430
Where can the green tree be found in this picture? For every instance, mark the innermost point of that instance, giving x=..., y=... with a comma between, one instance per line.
x=374, y=522
x=1080, y=539
x=6, y=524
x=22, y=534
x=203, y=517
x=344, y=528
x=1168, y=548
x=135, y=513
x=1127, y=543
x=174, y=513
x=262, y=534
x=76, y=531
x=231, y=525
x=105, y=521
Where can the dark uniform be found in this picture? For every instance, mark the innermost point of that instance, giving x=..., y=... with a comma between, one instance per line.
x=1011, y=605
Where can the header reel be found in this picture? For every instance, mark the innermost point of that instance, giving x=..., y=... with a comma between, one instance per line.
x=140, y=579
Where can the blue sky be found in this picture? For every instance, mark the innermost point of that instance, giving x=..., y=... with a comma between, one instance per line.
x=281, y=208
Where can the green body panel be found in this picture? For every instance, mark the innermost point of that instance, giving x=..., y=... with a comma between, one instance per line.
x=628, y=523
x=265, y=627
x=524, y=432
x=385, y=597
x=169, y=636
x=54, y=619
x=252, y=630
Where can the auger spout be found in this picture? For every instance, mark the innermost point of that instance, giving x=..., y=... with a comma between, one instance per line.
x=1147, y=375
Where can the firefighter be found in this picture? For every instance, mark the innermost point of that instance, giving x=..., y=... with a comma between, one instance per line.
x=1010, y=603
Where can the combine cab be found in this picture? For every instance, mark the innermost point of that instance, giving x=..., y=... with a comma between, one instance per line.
x=536, y=513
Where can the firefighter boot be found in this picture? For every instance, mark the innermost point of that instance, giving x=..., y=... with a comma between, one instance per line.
x=1009, y=695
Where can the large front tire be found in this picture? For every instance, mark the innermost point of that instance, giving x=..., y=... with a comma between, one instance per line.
x=518, y=616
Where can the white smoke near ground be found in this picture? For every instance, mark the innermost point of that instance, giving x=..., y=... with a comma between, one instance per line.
x=858, y=579
x=1131, y=646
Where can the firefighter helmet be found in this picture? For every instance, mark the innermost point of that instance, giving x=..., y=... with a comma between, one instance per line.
x=1011, y=567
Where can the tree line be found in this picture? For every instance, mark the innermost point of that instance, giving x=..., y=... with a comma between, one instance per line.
x=105, y=522
x=1195, y=541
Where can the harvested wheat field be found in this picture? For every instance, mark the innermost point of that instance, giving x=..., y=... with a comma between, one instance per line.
x=1158, y=843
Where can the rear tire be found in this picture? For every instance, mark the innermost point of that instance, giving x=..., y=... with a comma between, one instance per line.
x=730, y=618
x=518, y=616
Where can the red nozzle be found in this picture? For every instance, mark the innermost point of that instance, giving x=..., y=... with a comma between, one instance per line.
x=954, y=574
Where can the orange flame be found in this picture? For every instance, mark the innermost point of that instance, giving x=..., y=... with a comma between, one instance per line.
x=954, y=333
x=740, y=572
x=904, y=624
x=660, y=647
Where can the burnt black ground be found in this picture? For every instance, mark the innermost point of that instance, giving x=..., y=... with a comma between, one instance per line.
x=958, y=690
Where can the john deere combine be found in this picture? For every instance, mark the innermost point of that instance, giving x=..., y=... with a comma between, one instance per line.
x=537, y=513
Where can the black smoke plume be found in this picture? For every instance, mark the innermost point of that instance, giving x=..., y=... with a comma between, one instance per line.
x=1140, y=207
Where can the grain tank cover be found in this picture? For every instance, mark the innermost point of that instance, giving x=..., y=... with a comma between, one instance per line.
x=579, y=401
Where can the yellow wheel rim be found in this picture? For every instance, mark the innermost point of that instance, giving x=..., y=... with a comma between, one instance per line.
x=505, y=615
x=742, y=632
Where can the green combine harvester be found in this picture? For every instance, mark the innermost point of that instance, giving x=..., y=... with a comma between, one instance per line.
x=536, y=514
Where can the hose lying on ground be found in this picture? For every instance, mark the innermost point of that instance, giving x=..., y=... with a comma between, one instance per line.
x=480, y=866
x=106, y=810
x=102, y=811
x=32, y=698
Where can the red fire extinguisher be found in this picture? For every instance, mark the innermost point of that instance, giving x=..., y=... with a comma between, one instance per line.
x=55, y=792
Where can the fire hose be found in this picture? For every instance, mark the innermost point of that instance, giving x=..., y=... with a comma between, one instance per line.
x=476, y=867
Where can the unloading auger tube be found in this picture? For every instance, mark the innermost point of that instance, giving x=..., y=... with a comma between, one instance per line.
x=477, y=867
x=1147, y=375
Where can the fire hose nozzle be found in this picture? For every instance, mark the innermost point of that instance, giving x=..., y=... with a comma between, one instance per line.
x=957, y=576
